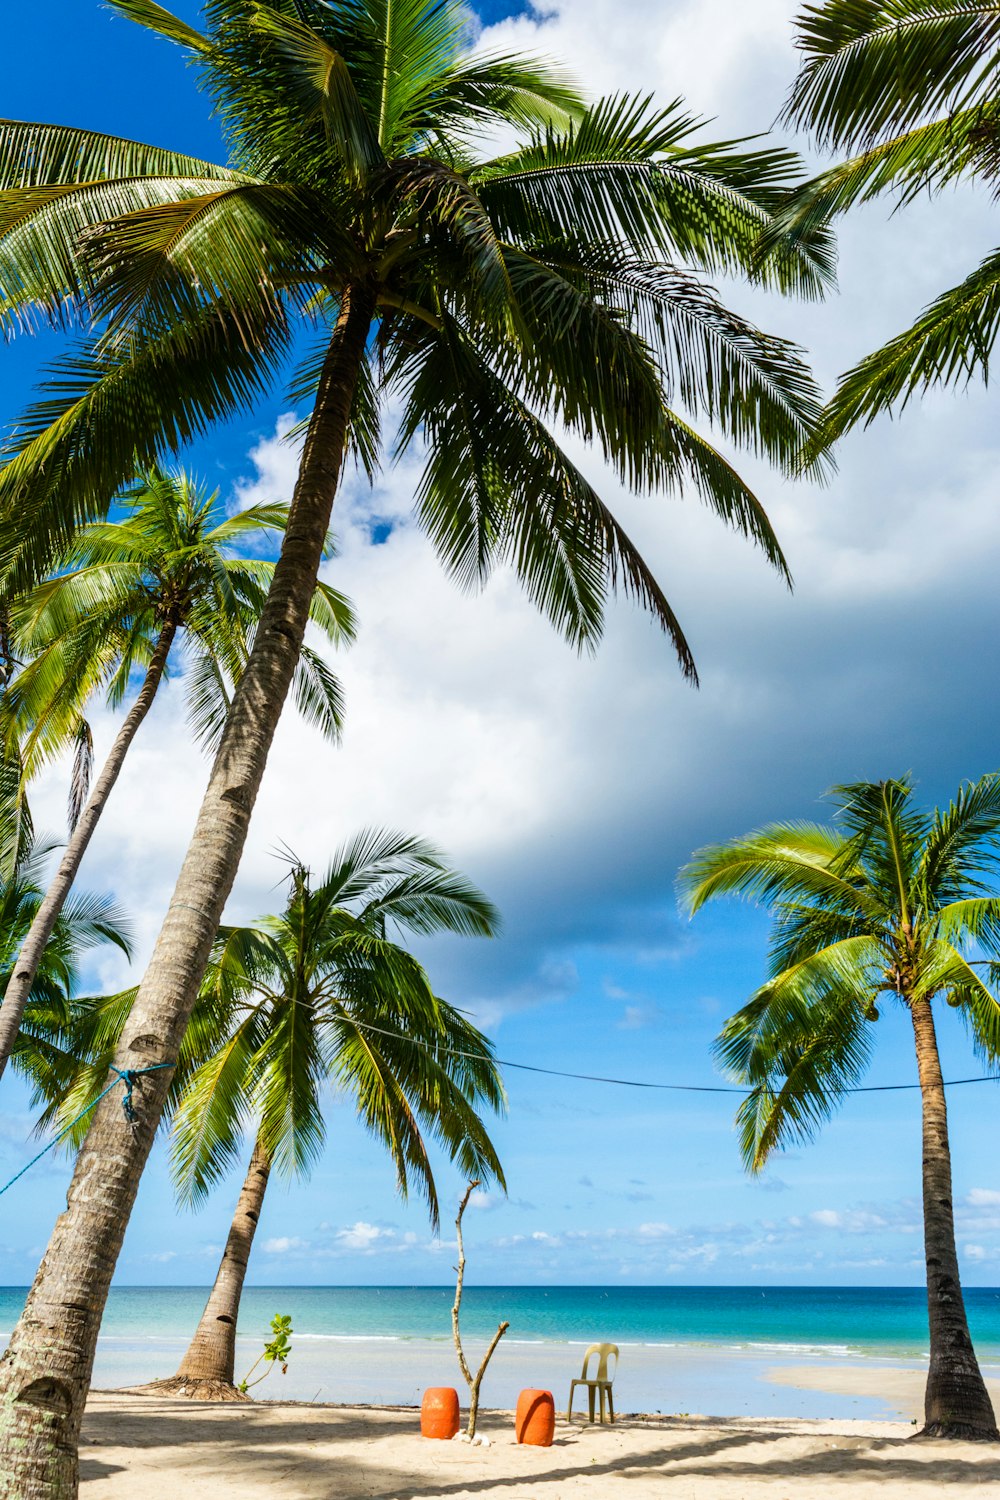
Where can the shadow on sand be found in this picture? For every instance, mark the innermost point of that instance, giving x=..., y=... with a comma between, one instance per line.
x=275, y=1443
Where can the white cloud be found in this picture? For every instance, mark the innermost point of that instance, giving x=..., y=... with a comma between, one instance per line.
x=283, y=1244
x=655, y=1231
x=363, y=1237
x=983, y=1198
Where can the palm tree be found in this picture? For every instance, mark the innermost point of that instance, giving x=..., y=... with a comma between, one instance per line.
x=912, y=91
x=318, y=996
x=493, y=296
x=892, y=902
x=321, y=995
x=128, y=593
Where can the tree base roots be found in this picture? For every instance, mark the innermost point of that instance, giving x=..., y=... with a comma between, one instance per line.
x=960, y=1431
x=194, y=1390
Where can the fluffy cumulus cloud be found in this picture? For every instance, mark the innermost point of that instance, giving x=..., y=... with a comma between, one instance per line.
x=363, y=1237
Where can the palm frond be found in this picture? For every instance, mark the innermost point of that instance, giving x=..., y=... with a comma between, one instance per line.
x=799, y=1073
x=783, y=862
x=926, y=158
x=475, y=93
x=625, y=171
x=755, y=388
x=949, y=343
x=320, y=82
x=497, y=487
x=876, y=66
x=238, y=247
x=156, y=18
x=318, y=695
x=107, y=414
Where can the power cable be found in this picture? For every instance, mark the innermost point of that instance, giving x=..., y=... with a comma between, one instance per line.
x=679, y=1088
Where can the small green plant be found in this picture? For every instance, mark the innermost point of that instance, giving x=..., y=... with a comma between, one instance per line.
x=276, y=1352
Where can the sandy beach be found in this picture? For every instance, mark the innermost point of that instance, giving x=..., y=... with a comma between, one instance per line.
x=142, y=1446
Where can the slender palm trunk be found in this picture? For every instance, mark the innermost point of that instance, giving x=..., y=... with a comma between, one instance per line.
x=956, y=1403
x=211, y=1354
x=45, y=1373
x=32, y=949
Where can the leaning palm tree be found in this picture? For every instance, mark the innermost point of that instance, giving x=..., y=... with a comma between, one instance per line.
x=495, y=296
x=911, y=90
x=322, y=995
x=891, y=902
x=128, y=595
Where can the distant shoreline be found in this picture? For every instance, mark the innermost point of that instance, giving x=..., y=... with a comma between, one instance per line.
x=792, y=1384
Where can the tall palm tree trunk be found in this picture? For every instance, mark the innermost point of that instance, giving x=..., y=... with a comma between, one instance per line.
x=211, y=1354
x=45, y=1373
x=956, y=1402
x=23, y=976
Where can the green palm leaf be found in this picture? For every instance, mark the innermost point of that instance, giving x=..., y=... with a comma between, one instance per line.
x=156, y=18
x=949, y=343
x=873, y=66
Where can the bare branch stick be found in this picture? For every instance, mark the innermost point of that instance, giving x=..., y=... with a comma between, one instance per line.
x=473, y=1381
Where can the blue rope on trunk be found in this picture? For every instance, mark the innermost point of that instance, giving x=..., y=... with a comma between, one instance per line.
x=126, y=1076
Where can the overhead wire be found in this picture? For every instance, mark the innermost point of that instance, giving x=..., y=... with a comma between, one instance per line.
x=638, y=1083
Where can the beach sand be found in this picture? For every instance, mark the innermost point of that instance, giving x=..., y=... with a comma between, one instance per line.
x=147, y=1447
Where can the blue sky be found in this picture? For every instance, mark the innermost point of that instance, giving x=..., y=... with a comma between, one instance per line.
x=573, y=789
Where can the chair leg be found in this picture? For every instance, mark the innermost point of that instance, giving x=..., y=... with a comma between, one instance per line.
x=591, y=1393
x=611, y=1404
x=569, y=1408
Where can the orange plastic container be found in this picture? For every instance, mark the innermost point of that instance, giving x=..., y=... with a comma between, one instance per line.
x=439, y=1412
x=535, y=1418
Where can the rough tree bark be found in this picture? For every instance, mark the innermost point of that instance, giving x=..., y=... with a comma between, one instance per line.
x=956, y=1402
x=208, y=1370
x=45, y=1373
x=32, y=949
x=473, y=1381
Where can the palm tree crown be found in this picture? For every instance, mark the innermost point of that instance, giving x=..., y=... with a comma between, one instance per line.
x=892, y=902
x=912, y=90
x=164, y=567
x=546, y=284
x=321, y=995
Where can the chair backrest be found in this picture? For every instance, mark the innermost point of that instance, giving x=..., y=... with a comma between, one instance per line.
x=602, y=1351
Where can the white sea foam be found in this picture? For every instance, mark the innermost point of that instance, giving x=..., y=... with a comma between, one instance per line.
x=838, y=1351
x=354, y=1338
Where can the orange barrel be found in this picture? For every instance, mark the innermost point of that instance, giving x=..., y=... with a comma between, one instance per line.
x=535, y=1418
x=439, y=1412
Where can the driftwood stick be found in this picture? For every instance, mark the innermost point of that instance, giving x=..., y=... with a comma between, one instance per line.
x=473, y=1381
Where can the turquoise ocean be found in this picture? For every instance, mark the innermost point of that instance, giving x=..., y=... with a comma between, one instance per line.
x=707, y=1349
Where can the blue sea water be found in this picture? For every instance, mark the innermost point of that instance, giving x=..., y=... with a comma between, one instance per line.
x=873, y=1321
x=708, y=1349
